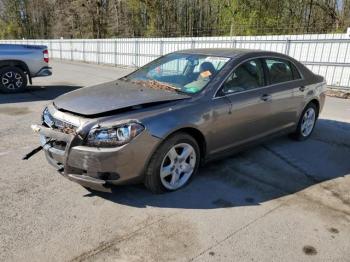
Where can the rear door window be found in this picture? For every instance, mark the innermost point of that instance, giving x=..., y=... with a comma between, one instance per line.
x=279, y=70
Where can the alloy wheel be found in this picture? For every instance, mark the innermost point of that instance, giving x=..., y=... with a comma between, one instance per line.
x=178, y=166
x=12, y=80
x=308, y=122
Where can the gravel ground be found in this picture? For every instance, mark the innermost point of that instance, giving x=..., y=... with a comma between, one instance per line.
x=280, y=201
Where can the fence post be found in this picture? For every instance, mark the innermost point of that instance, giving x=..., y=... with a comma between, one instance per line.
x=84, y=58
x=287, y=47
x=193, y=43
x=50, y=47
x=71, y=50
x=136, y=53
x=233, y=43
x=115, y=52
x=60, y=42
x=161, y=47
x=98, y=51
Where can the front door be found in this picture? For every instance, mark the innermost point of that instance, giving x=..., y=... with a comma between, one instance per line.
x=250, y=107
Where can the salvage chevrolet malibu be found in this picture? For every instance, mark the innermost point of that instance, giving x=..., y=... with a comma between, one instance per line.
x=159, y=123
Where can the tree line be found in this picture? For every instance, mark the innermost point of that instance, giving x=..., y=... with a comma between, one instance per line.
x=33, y=19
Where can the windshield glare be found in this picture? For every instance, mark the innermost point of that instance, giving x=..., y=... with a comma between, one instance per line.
x=188, y=73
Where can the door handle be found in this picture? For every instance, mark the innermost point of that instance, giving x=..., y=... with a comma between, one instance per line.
x=302, y=88
x=266, y=97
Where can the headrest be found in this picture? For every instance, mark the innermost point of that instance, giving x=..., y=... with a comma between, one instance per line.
x=207, y=66
x=279, y=67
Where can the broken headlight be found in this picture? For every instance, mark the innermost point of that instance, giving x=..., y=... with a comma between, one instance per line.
x=113, y=136
x=47, y=118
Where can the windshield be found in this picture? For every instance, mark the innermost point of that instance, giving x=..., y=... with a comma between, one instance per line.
x=188, y=73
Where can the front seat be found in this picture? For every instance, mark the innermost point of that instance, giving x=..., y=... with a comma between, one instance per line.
x=245, y=79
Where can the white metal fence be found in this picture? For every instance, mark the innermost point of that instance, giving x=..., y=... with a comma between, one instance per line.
x=324, y=54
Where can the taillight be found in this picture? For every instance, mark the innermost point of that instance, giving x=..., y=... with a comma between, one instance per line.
x=46, y=56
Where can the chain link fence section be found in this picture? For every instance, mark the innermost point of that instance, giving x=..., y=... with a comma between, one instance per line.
x=325, y=54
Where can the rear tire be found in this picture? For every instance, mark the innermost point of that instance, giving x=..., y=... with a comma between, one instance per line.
x=173, y=164
x=306, y=123
x=12, y=80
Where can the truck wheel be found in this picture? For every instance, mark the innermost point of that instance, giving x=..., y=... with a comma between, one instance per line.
x=12, y=80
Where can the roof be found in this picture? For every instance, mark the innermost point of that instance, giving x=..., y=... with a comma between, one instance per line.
x=226, y=52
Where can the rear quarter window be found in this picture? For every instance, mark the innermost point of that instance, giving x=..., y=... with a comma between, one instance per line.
x=295, y=71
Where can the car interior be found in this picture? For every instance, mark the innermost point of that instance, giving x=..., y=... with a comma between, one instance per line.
x=280, y=72
x=193, y=74
x=245, y=77
x=249, y=76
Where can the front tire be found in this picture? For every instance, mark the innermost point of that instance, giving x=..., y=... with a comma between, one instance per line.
x=173, y=164
x=12, y=80
x=306, y=123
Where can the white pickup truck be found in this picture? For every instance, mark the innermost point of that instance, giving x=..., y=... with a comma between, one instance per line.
x=19, y=64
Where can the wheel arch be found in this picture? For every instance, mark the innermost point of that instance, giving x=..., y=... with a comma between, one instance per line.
x=198, y=136
x=195, y=133
x=19, y=64
x=316, y=103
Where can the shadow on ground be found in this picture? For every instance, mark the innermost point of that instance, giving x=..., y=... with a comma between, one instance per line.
x=269, y=171
x=37, y=93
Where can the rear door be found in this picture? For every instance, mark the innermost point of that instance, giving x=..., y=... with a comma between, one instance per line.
x=283, y=81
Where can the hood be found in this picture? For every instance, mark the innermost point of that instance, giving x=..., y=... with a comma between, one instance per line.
x=112, y=96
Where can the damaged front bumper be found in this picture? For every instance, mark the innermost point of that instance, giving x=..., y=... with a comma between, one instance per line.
x=92, y=167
